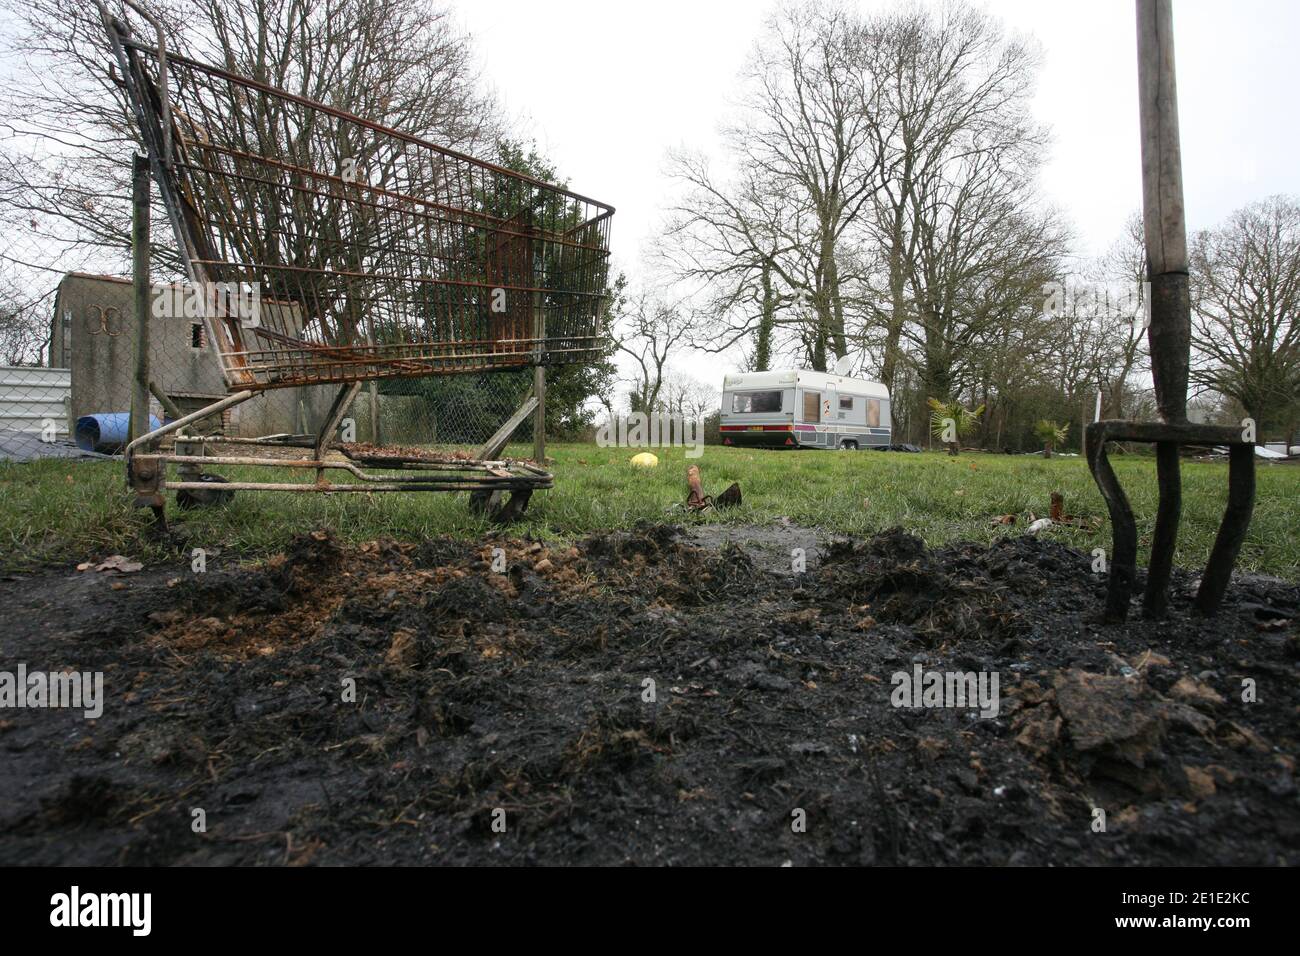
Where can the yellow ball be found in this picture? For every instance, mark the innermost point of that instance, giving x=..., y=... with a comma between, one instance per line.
x=645, y=460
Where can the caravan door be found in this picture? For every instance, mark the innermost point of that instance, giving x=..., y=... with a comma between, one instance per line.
x=812, y=403
x=828, y=434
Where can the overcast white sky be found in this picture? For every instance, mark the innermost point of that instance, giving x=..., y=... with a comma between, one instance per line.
x=606, y=88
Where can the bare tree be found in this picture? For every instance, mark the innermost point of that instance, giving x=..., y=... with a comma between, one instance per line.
x=733, y=239
x=882, y=190
x=983, y=255
x=688, y=397
x=650, y=331
x=953, y=91
x=1246, y=310
x=807, y=170
x=68, y=135
x=809, y=125
x=1121, y=353
x=24, y=321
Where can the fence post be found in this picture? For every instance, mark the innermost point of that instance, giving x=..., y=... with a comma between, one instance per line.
x=140, y=277
x=539, y=382
x=375, y=436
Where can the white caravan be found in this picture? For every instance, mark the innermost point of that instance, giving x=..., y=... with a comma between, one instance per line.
x=796, y=409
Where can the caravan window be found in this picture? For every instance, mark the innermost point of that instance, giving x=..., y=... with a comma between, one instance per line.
x=745, y=402
x=846, y=403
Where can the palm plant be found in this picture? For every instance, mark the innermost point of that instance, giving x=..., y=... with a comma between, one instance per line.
x=1050, y=434
x=950, y=420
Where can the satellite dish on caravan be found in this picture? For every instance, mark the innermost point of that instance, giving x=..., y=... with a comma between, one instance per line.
x=844, y=365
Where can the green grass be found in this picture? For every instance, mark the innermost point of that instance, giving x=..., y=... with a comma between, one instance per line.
x=54, y=511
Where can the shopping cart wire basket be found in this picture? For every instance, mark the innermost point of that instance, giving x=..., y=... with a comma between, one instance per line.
x=331, y=249
x=376, y=254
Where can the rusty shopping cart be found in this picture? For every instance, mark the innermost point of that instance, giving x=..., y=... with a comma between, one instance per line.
x=328, y=249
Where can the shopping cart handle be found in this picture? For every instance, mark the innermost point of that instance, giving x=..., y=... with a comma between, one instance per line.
x=162, y=68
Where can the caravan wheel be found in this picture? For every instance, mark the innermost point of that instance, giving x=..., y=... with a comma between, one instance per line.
x=849, y=445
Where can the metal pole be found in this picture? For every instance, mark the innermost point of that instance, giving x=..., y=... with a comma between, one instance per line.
x=213, y=409
x=164, y=95
x=140, y=277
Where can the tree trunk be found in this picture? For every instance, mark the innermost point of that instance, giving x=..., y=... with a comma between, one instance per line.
x=937, y=374
x=898, y=311
x=818, y=354
x=766, y=322
x=830, y=309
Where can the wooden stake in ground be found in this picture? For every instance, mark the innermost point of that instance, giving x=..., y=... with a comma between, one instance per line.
x=695, y=499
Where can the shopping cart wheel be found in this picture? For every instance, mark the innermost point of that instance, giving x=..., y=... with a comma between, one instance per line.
x=497, y=507
x=483, y=502
x=513, y=509
x=203, y=497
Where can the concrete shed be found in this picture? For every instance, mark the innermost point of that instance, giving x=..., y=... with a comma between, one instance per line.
x=93, y=335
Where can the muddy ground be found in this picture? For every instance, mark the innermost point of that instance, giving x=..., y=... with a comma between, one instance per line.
x=523, y=692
